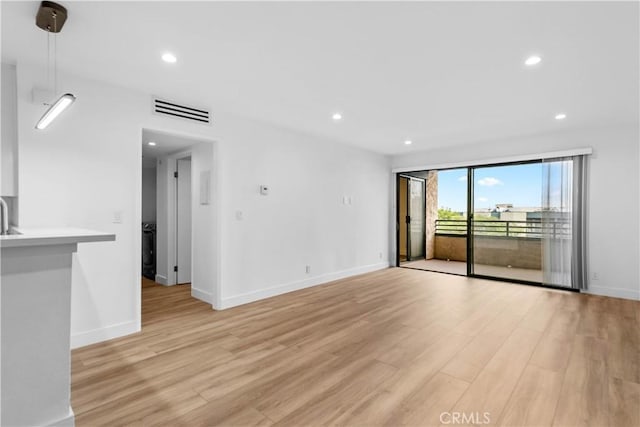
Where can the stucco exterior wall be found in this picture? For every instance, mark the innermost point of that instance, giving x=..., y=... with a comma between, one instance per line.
x=520, y=252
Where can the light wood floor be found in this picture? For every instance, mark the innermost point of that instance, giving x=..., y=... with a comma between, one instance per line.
x=394, y=347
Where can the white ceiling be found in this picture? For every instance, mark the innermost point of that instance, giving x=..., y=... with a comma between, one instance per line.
x=436, y=73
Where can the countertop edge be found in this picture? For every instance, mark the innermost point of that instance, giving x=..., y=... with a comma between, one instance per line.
x=49, y=237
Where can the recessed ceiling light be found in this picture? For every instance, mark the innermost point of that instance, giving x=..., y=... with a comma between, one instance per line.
x=408, y=142
x=561, y=116
x=336, y=116
x=169, y=57
x=532, y=60
x=151, y=143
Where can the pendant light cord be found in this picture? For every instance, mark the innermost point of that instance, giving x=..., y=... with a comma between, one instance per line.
x=49, y=59
x=55, y=54
x=55, y=65
x=52, y=84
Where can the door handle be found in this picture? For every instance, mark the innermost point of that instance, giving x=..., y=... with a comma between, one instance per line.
x=408, y=219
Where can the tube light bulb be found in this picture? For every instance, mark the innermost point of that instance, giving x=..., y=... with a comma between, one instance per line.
x=54, y=110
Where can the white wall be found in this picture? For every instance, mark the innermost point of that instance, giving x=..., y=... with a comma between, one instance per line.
x=614, y=202
x=78, y=172
x=164, y=177
x=149, y=194
x=87, y=166
x=303, y=220
x=204, y=257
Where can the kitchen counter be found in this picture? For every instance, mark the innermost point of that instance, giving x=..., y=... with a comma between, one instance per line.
x=35, y=289
x=51, y=236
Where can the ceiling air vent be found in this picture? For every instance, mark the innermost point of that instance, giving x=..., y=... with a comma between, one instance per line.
x=181, y=111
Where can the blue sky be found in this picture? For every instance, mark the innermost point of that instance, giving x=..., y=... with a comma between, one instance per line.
x=517, y=184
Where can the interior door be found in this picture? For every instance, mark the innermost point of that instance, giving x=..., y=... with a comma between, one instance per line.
x=183, y=222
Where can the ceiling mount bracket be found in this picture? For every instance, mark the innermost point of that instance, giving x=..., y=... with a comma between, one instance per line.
x=51, y=16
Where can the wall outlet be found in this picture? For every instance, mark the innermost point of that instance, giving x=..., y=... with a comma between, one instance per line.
x=307, y=269
x=595, y=275
x=117, y=217
x=380, y=255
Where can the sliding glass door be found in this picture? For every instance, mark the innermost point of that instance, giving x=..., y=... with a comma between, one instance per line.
x=520, y=222
x=505, y=222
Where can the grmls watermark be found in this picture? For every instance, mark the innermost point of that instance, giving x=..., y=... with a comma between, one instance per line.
x=475, y=418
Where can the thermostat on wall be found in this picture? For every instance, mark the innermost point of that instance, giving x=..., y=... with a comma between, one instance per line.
x=264, y=190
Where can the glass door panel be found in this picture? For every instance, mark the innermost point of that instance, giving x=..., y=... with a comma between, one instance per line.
x=403, y=215
x=505, y=238
x=416, y=218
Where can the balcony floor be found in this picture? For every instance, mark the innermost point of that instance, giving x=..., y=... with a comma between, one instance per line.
x=460, y=267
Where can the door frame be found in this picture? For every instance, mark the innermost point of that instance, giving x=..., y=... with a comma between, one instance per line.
x=212, y=291
x=470, y=206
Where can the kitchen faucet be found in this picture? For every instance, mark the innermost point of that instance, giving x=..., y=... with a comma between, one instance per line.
x=5, y=217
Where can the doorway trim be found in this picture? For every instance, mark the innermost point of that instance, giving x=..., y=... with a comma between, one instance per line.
x=216, y=215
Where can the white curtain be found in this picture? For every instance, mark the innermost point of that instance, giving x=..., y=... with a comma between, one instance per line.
x=556, y=213
x=563, y=222
x=579, y=271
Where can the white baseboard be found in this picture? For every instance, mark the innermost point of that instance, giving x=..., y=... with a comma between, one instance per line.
x=97, y=335
x=202, y=295
x=248, y=297
x=68, y=420
x=614, y=292
x=161, y=279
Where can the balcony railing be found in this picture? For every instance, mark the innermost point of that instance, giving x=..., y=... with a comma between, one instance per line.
x=558, y=228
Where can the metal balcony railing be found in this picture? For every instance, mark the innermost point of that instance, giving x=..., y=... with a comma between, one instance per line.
x=555, y=229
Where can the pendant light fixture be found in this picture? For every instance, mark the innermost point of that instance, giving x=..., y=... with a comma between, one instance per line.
x=51, y=18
